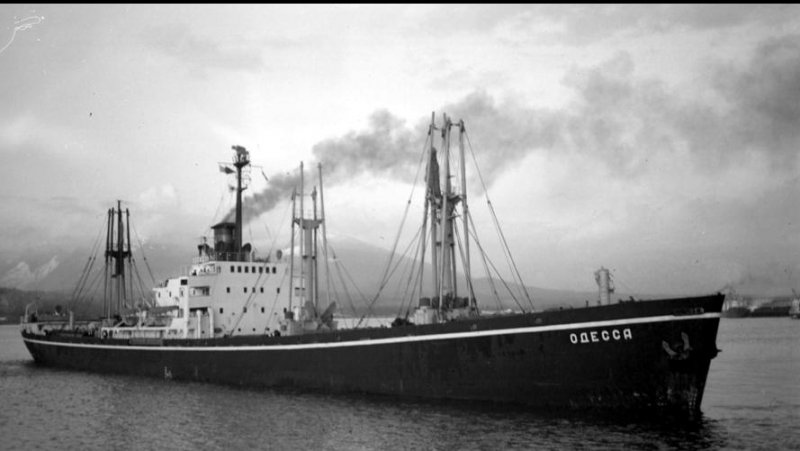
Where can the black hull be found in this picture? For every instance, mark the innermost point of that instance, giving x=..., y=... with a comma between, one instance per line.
x=626, y=356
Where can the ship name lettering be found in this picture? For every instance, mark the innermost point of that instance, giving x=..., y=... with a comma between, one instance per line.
x=595, y=336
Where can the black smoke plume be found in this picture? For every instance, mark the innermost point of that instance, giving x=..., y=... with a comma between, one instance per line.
x=614, y=118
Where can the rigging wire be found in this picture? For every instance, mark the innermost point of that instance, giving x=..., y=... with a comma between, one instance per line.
x=515, y=270
x=416, y=272
x=141, y=282
x=339, y=268
x=633, y=293
x=88, y=267
x=470, y=287
x=275, y=299
x=487, y=262
x=390, y=260
x=144, y=257
x=280, y=229
x=94, y=286
x=409, y=267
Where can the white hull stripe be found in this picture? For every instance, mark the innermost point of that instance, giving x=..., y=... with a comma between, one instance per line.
x=390, y=340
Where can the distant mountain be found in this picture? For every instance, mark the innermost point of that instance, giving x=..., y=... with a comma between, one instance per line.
x=21, y=275
x=361, y=266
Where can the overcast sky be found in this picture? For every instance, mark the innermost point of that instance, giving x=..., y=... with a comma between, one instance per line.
x=659, y=141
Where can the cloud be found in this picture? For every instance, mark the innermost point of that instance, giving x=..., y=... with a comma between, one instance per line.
x=625, y=120
x=630, y=128
x=47, y=225
x=158, y=198
x=706, y=17
x=765, y=100
x=583, y=25
x=17, y=131
x=200, y=53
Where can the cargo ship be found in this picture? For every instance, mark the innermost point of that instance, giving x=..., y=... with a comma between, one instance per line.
x=262, y=321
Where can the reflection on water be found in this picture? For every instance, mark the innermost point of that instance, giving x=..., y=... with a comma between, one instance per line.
x=751, y=402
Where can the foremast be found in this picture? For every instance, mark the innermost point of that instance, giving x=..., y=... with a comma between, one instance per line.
x=441, y=202
x=228, y=242
x=240, y=160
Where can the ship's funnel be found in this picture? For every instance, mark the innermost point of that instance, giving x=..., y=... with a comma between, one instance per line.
x=223, y=237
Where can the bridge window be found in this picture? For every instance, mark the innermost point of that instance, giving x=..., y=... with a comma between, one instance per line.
x=262, y=289
x=246, y=269
x=279, y=290
x=244, y=310
x=245, y=289
x=231, y=268
x=260, y=269
x=228, y=289
x=220, y=309
x=262, y=309
x=238, y=269
x=274, y=269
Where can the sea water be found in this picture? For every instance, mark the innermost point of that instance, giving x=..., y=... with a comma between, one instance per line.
x=752, y=401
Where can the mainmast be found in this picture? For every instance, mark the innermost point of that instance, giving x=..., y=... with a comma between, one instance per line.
x=447, y=287
x=434, y=199
x=465, y=210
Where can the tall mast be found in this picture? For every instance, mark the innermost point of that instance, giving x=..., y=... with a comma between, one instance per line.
x=424, y=234
x=302, y=238
x=434, y=193
x=312, y=253
x=446, y=287
x=291, y=250
x=119, y=262
x=128, y=254
x=465, y=208
x=324, y=236
x=240, y=160
x=108, y=268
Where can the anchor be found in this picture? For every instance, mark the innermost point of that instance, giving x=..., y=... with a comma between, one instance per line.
x=681, y=351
